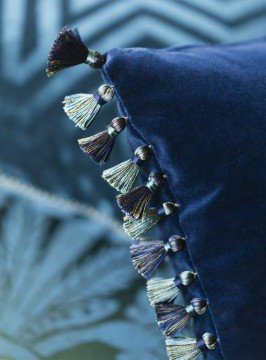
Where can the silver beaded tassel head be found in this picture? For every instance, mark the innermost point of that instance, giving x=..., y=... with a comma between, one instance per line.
x=136, y=228
x=94, y=59
x=188, y=348
x=165, y=290
x=82, y=108
x=123, y=176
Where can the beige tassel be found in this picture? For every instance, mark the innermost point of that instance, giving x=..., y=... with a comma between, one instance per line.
x=123, y=176
x=136, y=228
x=82, y=108
x=165, y=290
x=188, y=348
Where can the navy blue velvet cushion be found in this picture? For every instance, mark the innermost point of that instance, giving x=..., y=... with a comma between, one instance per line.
x=203, y=110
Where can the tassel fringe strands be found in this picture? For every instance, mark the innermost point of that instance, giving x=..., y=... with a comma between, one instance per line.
x=123, y=176
x=188, y=348
x=173, y=318
x=135, y=201
x=82, y=108
x=148, y=255
x=99, y=147
x=166, y=290
x=136, y=228
x=68, y=50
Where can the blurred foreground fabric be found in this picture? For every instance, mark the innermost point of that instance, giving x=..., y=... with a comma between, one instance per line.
x=67, y=287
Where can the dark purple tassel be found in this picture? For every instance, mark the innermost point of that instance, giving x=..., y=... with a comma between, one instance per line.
x=173, y=318
x=68, y=50
x=148, y=255
x=134, y=203
x=99, y=147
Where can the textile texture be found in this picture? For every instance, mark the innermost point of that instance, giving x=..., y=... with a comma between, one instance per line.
x=202, y=108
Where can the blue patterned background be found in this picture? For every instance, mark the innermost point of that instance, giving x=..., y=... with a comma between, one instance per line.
x=67, y=287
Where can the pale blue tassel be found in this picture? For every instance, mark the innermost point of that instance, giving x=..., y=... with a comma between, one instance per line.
x=165, y=290
x=136, y=228
x=123, y=176
x=182, y=349
x=82, y=108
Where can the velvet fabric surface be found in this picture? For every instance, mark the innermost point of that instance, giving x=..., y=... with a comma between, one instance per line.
x=202, y=108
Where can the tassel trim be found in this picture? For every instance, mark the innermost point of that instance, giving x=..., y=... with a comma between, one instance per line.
x=134, y=203
x=82, y=108
x=166, y=290
x=99, y=147
x=68, y=50
x=148, y=255
x=172, y=318
x=189, y=348
x=136, y=228
x=123, y=176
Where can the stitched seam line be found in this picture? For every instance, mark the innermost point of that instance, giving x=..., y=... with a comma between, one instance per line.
x=169, y=190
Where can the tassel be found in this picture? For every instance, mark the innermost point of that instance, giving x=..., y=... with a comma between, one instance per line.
x=135, y=201
x=173, y=318
x=99, y=147
x=82, y=108
x=165, y=290
x=122, y=176
x=136, y=228
x=148, y=255
x=68, y=50
x=188, y=348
